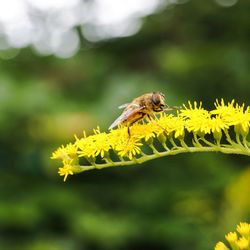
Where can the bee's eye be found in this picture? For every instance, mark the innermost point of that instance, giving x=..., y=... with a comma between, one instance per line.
x=156, y=100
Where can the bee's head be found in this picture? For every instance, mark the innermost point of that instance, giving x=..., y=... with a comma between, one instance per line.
x=158, y=101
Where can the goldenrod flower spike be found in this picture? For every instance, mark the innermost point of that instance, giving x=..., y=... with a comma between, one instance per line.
x=236, y=241
x=224, y=129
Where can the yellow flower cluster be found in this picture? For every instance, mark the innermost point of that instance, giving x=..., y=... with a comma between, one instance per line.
x=118, y=148
x=240, y=241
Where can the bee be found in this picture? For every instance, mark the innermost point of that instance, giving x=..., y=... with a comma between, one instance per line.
x=140, y=107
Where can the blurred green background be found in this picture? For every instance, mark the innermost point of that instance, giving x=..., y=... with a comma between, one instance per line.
x=190, y=50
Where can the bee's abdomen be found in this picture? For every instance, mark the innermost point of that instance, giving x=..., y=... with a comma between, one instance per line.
x=135, y=118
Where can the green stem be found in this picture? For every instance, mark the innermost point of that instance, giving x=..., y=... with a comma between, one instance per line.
x=175, y=151
x=196, y=140
x=173, y=143
x=245, y=142
x=165, y=146
x=183, y=144
x=155, y=151
x=229, y=138
x=208, y=142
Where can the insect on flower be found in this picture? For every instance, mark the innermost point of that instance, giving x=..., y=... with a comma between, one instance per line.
x=140, y=107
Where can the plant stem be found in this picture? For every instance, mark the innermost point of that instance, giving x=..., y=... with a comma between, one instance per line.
x=175, y=151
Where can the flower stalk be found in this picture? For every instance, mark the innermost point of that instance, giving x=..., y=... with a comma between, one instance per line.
x=193, y=129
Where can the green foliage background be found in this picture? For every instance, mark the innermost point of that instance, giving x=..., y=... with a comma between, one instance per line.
x=193, y=51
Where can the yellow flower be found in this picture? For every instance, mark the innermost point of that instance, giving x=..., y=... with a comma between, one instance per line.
x=168, y=124
x=191, y=112
x=129, y=147
x=101, y=144
x=179, y=128
x=70, y=167
x=231, y=237
x=65, y=153
x=123, y=144
x=224, y=111
x=94, y=145
x=233, y=114
x=117, y=135
x=85, y=147
x=197, y=118
x=146, y=131
x=60, y=154
x=243, y=243
x=199, y=125
x=241, y=119
x=66, y=170
x=220, y=246
x=244, y=229
x=217, y=124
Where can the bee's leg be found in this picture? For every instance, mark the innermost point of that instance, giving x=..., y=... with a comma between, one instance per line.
x=135, y=120
x=149, y=117
x=129, y=134
x=130, y=124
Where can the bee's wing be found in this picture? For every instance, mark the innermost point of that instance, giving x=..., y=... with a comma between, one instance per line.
x=125, y=105
x=125, y=115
